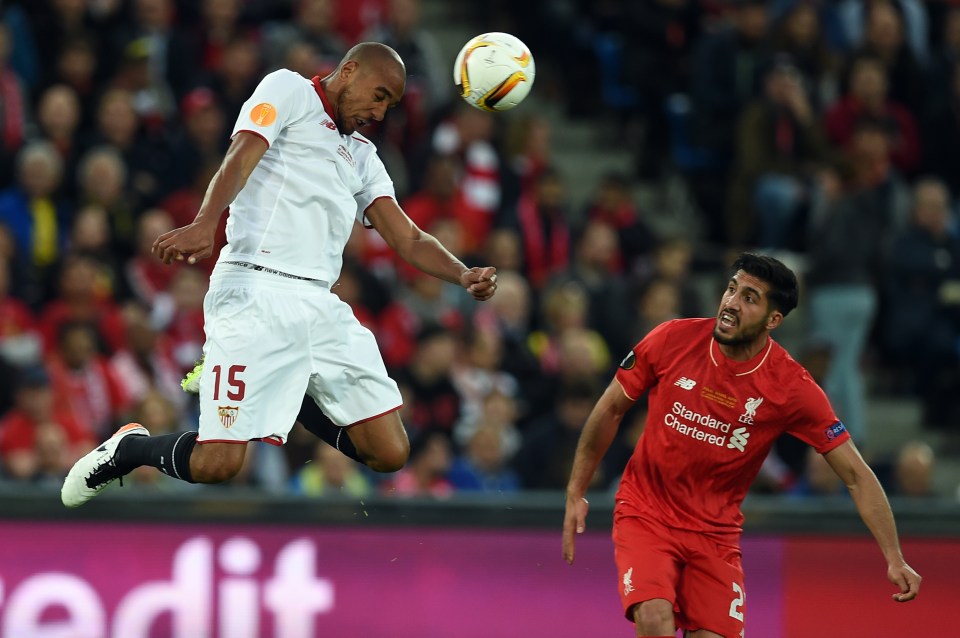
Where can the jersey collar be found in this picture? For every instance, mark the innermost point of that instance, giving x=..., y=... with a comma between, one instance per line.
x=739, y=368
x=318, y=87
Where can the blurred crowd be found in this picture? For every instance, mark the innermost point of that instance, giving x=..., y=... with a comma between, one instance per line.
x=827, y=131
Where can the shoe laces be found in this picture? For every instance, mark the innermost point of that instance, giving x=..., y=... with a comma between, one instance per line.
x=104, y=474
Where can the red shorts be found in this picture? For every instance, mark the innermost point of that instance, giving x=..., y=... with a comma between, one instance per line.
x=701, y=574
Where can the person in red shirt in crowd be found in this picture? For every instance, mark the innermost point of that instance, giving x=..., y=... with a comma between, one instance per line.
x=867, y=98
x=19, y=336
x=541, y=219
x=146, y=277
x=83, y=380
x=442, y=198
x=36, y=418
x=181, y=318
x=83, y=297
x=721, y=391
x=431, y=458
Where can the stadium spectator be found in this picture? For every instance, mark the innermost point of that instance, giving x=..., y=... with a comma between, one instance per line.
x=528, y=153
x=436, y=402
x=145, y=366
x=442, y=197
x=146, y=278
x=613, y=204
x=817, y=479
x=779, y=152
x=541, y=217
x=14, y=111
x=38, y=218
x=914, y=470
x=920, y=322
x=20, y=340
x=467, y=134
x=22, y=430
x=885, y=39
x=425, y=474
x=313, y=24
x=76, y=67
x=477, y=372
x=330, y=474
x=849, y=245
x=549, y=443
x=726, y=73
x=484, y=464
x=58, y=121
x=84, y=382
x=566, y=311
x=182, y=320
x=204, y=137
x=147, y=161
x=800, y=33
x=867, y=98
x=83, y=296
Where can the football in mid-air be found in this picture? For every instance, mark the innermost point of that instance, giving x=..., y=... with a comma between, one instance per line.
x=494, y=71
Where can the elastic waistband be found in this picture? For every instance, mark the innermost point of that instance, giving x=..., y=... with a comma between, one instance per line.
x=244, y=273
x=259, y=268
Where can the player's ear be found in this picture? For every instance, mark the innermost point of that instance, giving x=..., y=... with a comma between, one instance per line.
x=774, y=319
x=348, y=69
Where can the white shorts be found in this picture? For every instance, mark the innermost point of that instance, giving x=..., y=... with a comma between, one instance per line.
x=270, y=339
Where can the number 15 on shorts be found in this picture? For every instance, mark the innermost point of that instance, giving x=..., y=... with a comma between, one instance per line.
x=235, y=389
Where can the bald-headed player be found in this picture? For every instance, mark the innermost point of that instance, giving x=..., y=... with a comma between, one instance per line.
x=296, y=177
x=721, y=391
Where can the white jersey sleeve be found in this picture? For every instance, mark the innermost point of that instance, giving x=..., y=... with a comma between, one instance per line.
x=278, y=101
x=376, y=184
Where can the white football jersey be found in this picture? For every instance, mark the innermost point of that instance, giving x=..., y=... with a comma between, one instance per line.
x=298, y=207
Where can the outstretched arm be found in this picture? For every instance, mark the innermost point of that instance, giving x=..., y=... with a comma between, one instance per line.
x=423, y=251
x=597, y=435
x=875, y=511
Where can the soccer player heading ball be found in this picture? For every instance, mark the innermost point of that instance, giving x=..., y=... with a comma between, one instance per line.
x=721, y=391
x=296, y=177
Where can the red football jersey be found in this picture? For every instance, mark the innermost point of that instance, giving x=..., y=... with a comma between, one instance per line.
x=711, y=423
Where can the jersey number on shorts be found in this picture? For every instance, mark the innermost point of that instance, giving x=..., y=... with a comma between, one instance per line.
x=737, y=603
x=237, y=388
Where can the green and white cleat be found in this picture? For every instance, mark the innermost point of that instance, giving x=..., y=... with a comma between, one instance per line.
x=191, y=382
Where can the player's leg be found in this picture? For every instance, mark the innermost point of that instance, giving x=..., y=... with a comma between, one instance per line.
x=648, y=563
x=381, y=443
x=711, y=595
x=351, y=386
x=176, y=455
x=654, y=618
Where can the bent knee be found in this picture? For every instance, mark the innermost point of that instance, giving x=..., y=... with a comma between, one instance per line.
x=653, y=615
x=390, y=457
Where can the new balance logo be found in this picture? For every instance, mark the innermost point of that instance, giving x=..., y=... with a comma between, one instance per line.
x=685, y=383
x=738, y=439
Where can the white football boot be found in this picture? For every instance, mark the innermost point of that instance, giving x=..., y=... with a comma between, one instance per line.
x=97, y=469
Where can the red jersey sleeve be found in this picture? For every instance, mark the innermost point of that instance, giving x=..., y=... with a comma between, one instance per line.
x=639, y=370
x=813, y=420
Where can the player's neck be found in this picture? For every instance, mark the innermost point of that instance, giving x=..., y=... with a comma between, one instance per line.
x=745, y=351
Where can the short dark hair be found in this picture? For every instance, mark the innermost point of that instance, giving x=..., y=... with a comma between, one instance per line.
x=784, y=292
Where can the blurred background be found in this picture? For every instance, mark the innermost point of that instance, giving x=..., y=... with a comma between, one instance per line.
x=661, y=138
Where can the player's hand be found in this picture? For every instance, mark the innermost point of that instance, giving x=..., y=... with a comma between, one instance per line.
x=903, y=576
x=193, y=243
x=574, y=522
x=480, y=282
